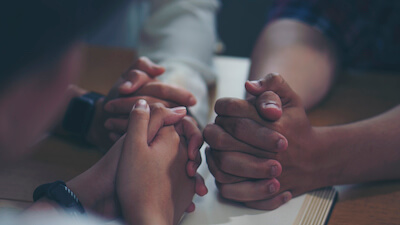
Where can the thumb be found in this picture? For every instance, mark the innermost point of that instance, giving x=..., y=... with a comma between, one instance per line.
x=136, y=135
x=269, y=106
x=275, y=83
x=162, y=116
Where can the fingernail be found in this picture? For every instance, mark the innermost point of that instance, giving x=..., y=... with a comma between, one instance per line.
x=205, y=190
x=179, y=110
x=192, y=100
x=269, y=106
x=274, y=171
x=127, y=84
x=109, y=125
x=255, y=83
x=141, y=104
x=109, y=107
x=281, y=144
x=286, y=197
x=272, y=188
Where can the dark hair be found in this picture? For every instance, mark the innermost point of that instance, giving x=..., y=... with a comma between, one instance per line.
x=38, y=31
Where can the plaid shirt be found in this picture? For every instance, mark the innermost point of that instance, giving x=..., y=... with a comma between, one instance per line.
x=367, y=32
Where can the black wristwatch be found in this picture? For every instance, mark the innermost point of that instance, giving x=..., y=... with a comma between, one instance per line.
x=61, y=194
x=80, y=113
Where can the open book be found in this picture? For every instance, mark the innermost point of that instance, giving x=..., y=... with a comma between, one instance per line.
x=308, y=209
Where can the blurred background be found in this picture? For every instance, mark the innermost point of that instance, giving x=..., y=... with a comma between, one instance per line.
x=238, y=23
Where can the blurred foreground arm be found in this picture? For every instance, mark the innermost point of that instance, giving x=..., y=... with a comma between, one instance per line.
x=180, y=35
x=300, y=53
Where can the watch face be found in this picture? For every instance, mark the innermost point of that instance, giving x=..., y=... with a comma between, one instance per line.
x=77, y=116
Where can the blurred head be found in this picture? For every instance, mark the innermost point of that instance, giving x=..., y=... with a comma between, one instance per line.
x=41, y=57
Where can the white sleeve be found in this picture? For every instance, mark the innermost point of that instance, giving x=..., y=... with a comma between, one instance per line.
x=181, y=36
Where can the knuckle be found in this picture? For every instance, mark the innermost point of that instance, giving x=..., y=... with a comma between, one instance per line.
x=172, y=135
x=223, y=191
x=226, y=105
x=134, y=73
x=274, y=78
x=224, y=179
x=142, y=58
x=218, y=176
x=262, y=168
x=224, y=163
x=163, y=90
x=138, y=114
x=265, y=190
x=158, y=107
x=232, y=105
x=278, y=127
x=221, y=142
x=269, y=95
x=264, y=134
x=190, y=121
x=175, y=137
x=209, y=135
x=239, y=127
x=141, y=61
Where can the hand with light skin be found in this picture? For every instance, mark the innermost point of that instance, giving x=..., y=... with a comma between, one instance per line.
x=96, y=186
x=161, y=190
x=314, y=157
x=139, y=82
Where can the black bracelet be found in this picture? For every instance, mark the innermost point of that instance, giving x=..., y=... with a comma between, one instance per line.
x=61, y=194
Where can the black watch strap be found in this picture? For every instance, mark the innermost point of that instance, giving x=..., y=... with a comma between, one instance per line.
x=79, y=115
x=61, y=194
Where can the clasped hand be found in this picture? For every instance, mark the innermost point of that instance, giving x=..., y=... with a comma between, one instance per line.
x=149, y=174
x=263, y=151
x=110, y=121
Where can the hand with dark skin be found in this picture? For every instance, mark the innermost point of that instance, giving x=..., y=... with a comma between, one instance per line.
x=139, y=82
x=315, y=156
x=242, y=153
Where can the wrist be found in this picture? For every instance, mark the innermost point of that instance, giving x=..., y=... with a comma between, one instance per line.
x=58, y=192
x=331, y=159
x=149, y=218
x=143, y=211
x=95, y=187
x=44, y=204
x=84, y=191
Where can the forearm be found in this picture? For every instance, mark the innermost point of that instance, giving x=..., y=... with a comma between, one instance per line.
x=44, y=204
x=95, y=186
x=300, y=53
x=181, y=32
x=363, y=151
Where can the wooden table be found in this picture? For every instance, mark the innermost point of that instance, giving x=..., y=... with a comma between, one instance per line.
x=353, y=98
